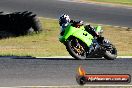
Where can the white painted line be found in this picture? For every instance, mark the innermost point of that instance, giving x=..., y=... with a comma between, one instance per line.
x=8, y=87
x=108, y=85
x=69, y=0
x=72, y=57
x=124, y=56
x=68, y=86
x=57, y=57
x=117, y=26
x=46, y=86
x=124, y=27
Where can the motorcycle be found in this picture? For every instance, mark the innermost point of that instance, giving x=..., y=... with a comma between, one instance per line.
x=82, y=45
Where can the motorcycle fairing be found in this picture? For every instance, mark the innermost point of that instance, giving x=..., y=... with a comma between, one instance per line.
x=79, y=33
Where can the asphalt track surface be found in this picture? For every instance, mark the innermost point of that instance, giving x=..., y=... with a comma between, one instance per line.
x=56, y=71
x=102, y=14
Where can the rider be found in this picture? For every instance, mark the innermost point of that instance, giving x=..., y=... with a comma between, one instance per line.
x=64, y=20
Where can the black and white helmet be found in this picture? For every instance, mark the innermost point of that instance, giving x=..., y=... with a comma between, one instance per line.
x=64, y=19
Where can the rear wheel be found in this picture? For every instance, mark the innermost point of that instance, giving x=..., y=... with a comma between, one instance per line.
x=76, y=48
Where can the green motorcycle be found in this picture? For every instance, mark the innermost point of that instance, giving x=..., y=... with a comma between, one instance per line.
x=81, y=45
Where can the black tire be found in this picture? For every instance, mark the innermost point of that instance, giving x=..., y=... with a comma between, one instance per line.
x=20, y=23
x=72, y=52
x=36, y=25
x=111, y=54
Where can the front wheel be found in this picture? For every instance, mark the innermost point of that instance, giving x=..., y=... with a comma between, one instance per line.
x=76, y=48
x=110, y=53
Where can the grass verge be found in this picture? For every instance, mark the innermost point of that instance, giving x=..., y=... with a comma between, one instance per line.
x=122, y=2
x=47, y=43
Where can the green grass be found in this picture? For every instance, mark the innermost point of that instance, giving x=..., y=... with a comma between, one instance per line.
x=125, y=2
x=47, y=43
